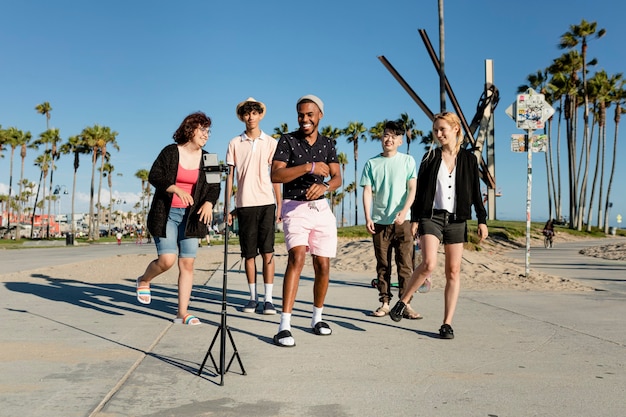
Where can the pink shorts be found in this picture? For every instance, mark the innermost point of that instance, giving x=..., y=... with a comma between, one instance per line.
x=311, y=224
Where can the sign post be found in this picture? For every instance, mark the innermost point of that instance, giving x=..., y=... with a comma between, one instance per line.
x=530, y=111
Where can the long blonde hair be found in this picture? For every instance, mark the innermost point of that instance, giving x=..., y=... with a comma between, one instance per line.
x=453, y=120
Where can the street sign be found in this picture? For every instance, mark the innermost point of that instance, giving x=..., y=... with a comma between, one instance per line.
x=537, y=143
x=530, y=110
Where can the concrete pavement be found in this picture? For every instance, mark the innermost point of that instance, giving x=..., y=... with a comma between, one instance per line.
x=70, y=348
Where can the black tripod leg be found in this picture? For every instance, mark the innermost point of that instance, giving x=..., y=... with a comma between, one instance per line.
x=208, y=353
x=235, y=354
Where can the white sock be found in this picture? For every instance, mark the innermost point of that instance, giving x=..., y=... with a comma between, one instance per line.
x=317, y=315
x=285, y=324
x=252, y=291
x=269, y=288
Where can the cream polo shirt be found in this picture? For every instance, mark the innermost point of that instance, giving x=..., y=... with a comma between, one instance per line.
x=252, y=159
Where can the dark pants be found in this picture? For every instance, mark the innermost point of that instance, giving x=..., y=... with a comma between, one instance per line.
x=397, y=239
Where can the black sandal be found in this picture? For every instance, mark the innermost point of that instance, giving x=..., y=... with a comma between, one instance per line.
x=446, y=332
x=318, y=329
x=397, y=311
x=282, y=335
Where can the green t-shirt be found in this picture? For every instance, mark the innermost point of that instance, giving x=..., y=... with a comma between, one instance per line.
x=388, y=178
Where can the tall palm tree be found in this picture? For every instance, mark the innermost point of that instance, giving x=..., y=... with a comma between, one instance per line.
x=601, y=88
x=579, y=34
x=3, y=141
x=355, y=133
x=279, y=131
x=93, y=137
x=44, y=109
x=619, y=96
x=142, y=174
x=11, y=136
x=343, y=161
x=76, y=146
x=53, y=138
x=108, y=169
x=43, y=162
x=23, y=140
x=567, y=67
x=350, y=188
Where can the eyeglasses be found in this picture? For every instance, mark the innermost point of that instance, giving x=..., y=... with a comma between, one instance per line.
x=205, y=130
x=390, y=136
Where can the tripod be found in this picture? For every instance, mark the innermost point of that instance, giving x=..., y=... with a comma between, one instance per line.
x=222, y=329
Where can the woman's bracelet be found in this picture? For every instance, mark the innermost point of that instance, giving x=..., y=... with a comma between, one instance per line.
x=312, y=167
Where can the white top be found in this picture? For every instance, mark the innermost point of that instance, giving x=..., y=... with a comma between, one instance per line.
x=445, y=198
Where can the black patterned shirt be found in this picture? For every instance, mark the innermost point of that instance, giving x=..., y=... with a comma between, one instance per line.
x=294, y=150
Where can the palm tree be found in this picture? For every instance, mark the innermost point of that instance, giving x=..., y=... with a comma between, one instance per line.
x=567, y=67
x=343, y=161
x=44, y=165
x=53, y=137
x=411, y=132
x=569, y=40
x=355, y=132
x=279, y=131
x=3, y=141
x=618, y=97
x=44, y=109
x=350, y=188
x=142, y=174
x=601, y=87
x=94, y=137
x=108, y=169
x=11, y=139
x=332, y=133
x=108, y=137
x=378, y=130
x=76, y=146
x=23, y=140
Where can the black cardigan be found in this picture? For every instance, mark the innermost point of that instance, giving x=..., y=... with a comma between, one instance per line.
x=467, y=187
x=162, y=175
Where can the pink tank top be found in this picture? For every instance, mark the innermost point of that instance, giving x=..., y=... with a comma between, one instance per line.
x=185, y=179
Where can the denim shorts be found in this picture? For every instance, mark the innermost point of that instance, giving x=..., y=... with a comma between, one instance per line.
x=174, y=241
x=444, y=227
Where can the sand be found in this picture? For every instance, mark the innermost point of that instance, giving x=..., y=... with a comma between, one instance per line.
x=487, y=269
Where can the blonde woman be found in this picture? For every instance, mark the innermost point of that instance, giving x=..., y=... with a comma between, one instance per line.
x=448, y=184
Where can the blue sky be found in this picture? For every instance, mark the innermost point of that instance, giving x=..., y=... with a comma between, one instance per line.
x=139, y=67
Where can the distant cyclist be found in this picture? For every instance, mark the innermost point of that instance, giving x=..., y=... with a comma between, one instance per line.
x=548, y=232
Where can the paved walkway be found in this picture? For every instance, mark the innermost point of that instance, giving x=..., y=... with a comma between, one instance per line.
x=74, y=349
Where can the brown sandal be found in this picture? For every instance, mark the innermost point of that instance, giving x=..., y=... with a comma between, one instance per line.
x=380, y=312
x=411, y=314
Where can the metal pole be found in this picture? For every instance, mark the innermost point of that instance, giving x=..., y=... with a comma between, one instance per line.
x=529, y=186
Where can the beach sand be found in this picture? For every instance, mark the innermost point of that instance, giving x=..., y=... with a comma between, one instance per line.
x=487, y=269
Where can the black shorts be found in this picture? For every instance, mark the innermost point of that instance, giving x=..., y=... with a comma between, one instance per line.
x=444, y=227
x=256, y=230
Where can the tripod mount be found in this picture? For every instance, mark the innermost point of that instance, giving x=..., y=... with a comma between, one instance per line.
x=213, y=172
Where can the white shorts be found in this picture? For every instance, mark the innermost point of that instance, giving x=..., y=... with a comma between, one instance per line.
x=311, y=224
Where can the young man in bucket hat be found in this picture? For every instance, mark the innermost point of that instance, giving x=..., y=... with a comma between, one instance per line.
x=257, y=200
